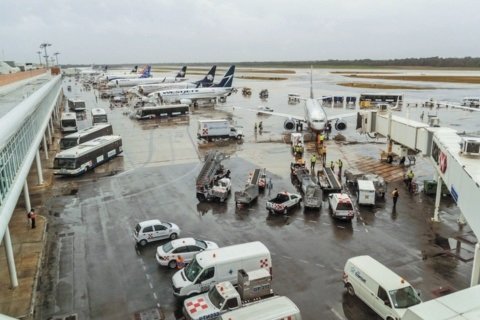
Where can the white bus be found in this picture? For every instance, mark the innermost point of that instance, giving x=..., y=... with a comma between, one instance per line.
x=99, y=116
x=471, y=102
x=368, y=100
x=76, y=105
x=88, y=155
x=68, y=122
x=151, y=112
x=84, y=135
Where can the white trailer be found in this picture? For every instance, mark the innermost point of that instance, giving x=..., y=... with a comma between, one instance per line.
x=217, y=129
x=366, y=192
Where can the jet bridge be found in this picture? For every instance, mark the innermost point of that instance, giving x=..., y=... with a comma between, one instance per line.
x=455, y=158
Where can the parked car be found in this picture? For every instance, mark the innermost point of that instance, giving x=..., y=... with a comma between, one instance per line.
x=341, y=206
x=154, y=230
x=186, y=248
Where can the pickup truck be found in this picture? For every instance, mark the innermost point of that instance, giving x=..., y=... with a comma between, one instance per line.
x=223, y=297
x=283, y=201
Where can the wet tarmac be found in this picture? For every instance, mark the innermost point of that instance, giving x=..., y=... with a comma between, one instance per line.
x=93, y=269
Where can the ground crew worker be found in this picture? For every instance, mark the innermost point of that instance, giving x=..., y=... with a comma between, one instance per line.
x=332, y=165
x=260, y=126
x=313, y=160
x=324, y=155
x=321, y=139
x=255, y=127
x=180, y=262
x=410, y=176
x=395, y=197
x=340, y=166
x=33, y=216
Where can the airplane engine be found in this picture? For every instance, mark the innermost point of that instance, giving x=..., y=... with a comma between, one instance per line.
x=186, y=101
x=340, y=125
x=289, y=124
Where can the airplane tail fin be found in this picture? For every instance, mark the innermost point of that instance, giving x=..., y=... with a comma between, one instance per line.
x=311, y=82
x=207, y=81
x=227, y=79
x=146, y=72
x=134, y=70
x=182, y=72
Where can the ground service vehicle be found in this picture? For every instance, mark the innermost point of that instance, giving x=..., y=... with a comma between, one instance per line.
x=251, y=190
x=208, y=185
x=388, y=294
x=85, y=135
x=379, y=184
x=312, y=197
x=283, y=201
x=460, y=305
x=341, y=206
x=76, y=105
x=217, y=129
x=222, y=297
x=181, y=249
x=150, y=112
x=471, y=102
x=154, y=230
x=328, y=181
x=99, y=116
x=365, y=192
x=274, y=308
x=68, y=122
x=213, y=266
x=85, y=156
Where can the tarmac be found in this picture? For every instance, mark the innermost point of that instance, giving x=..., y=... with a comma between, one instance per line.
x=28, y=243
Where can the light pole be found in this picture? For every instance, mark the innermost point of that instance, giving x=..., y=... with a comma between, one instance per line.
x=56, y=56
x=39, y=57
x=44, y=47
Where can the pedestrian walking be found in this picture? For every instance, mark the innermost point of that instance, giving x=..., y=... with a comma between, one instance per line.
x=96, y=99
x=395, y=197
x=180, y=262
x=32, y=216
x=255, y=128
x=324, y=155
x=313, y=160
x=269, y=185
x=332, y=165
x=340, y=166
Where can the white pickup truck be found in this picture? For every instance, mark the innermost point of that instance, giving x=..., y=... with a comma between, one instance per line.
x=223, y=297
x=283, y=202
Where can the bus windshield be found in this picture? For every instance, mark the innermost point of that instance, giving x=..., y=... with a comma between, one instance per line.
x=65, y=163
x=69, y=123
x=67, y=143
x=100, y=119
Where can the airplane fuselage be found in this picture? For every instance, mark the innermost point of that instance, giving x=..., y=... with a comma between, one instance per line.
x=315, y=115
x=140, y=81
x=194, y=93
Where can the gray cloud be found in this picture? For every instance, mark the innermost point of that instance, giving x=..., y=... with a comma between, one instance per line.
x=118, y=31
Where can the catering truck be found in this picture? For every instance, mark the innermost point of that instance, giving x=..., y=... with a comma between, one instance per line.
x=217, y=129
x=253, y=286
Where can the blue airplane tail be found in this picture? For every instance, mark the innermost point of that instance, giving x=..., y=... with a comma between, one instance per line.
x=207, y=81
x=146, y=72
x=227, y=79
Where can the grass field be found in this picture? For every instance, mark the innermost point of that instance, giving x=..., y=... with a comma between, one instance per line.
x=450, y=79
x=380, y=86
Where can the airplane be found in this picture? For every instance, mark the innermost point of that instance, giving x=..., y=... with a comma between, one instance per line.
x=134, y=82
x=147, y=89
x=314, y=116
x=144, y=73
x=189, y=96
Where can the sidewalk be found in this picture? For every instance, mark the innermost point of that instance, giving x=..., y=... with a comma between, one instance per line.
x=28, y=244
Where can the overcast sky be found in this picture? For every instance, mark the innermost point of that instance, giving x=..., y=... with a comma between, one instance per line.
x=136, y=31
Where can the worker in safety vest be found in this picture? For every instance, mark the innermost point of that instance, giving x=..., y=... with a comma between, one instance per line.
x=313, y=160
x=340, y=166
x=410, y=176
x=324, y=155
x=332, y=165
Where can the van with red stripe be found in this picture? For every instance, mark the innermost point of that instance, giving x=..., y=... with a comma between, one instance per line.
x=214, y=266
x=276, y=308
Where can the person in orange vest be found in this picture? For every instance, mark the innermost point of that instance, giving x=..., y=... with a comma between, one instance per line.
x=180, y=262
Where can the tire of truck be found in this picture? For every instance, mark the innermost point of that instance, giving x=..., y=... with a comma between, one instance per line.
x=350, y=289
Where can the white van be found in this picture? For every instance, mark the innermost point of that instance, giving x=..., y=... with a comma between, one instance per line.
x=366, y=192
x=211, y=267
x=341, y=206
x=380, y=288
x=270, y=309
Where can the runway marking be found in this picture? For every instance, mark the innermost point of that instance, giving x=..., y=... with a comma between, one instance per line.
x=155, y=296
x=341, y=227
x=326, y=223
x=304, y=261
x=286, y=257
x=336, y=314
x=144, y=268
x=319, y=265
x=147, y=276
x=151, y=285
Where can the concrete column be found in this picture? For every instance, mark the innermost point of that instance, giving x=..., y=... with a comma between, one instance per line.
x=26, y=195
x=10, y=259
x=45, y=147
x=51, y=123
x=39, y=167
x=49, y=135
x=438, y=195
x=475, y=279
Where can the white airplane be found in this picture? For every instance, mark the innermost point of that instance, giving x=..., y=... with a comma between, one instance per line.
x=188, y=96
x=138, y=81
x=147, y=89
x=314, y=116
x=144, y=73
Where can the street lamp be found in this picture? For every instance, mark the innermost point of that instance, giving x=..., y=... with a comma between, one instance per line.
x=56, y=56
x=39, y=57
x=44, y=47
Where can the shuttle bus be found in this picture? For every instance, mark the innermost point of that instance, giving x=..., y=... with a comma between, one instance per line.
x=368, y=100
x=88, y=155
x=471, y=102
x=99, y=116
x=150, y=112
x=68, y=122
x=85, y=135
x=76, y=105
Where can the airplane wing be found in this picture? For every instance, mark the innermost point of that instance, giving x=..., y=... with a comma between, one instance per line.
x=341, y=116
x=279, y=114
x=465, y=108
